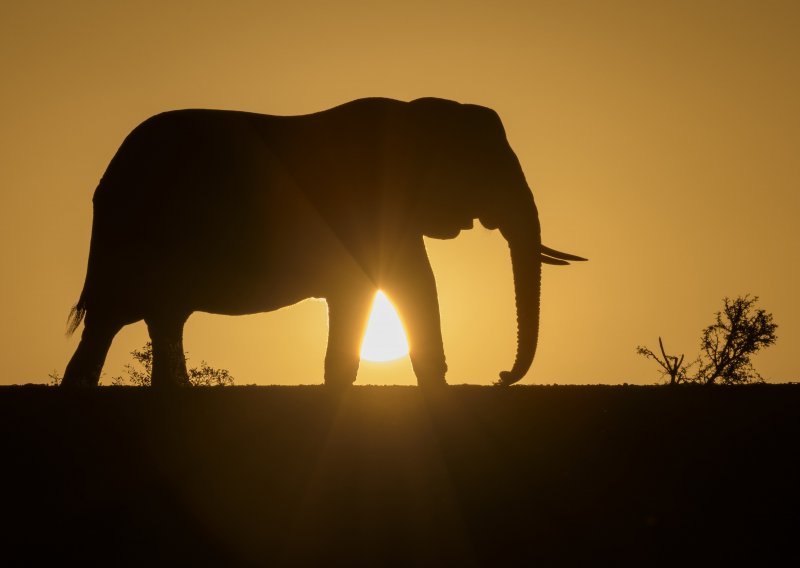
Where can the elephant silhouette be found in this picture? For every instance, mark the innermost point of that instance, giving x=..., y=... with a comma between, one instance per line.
x=233, y=213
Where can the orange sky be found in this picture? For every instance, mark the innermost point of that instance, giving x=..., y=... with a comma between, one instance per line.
x=660, y=140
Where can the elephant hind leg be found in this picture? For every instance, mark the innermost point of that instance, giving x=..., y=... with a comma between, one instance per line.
x=84, y=369
x=169, y=360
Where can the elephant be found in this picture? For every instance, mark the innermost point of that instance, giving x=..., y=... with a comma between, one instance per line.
x=231, y=212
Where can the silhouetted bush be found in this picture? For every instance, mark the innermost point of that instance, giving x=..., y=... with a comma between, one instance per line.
x=672, y=366
x=203, y=376
x=208, y=376
x=138, y=377
x=738, y=332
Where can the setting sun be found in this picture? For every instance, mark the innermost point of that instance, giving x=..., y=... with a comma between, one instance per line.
x=385, y=339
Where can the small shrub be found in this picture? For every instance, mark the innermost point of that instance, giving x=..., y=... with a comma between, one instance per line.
x=141, y=376
x=738, y=332
x=671, y=365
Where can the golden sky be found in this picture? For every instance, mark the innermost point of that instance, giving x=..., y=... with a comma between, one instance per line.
x=660, y=140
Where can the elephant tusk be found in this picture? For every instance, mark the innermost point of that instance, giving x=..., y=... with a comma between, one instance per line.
x=556, y=261
x=559, y=255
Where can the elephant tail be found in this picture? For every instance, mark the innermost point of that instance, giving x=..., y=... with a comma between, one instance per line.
x=76, y=314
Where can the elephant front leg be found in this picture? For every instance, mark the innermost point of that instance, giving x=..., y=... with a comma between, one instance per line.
x=348, y=313
x=412, y=287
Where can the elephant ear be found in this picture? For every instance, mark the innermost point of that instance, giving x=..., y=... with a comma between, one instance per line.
x=456, y=125
x=418, y=151
x=434, y=105
x=455, y=161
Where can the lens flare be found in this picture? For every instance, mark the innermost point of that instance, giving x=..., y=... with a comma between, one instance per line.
x=385, y=338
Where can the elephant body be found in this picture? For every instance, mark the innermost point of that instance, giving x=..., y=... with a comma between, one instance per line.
x=235, y=213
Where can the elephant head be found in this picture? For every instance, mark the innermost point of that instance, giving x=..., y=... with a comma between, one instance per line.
x=465, y=170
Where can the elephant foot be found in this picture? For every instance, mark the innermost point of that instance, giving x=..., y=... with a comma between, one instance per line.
x=170, y=374
x=77, y=382
x=79, y=374
x=339, y=381
x=86, y=364
x=171, y=383
x=431, y=382
x=340, y=373
x=430, y=372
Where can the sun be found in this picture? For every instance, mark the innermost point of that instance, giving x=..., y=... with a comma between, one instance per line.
x=385, y=338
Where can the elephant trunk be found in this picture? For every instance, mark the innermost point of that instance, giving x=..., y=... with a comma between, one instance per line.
x=524, y=241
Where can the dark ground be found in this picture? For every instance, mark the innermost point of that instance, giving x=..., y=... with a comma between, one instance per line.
x=394, y=476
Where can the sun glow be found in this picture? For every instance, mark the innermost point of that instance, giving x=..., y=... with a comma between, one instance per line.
x=385, y=338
